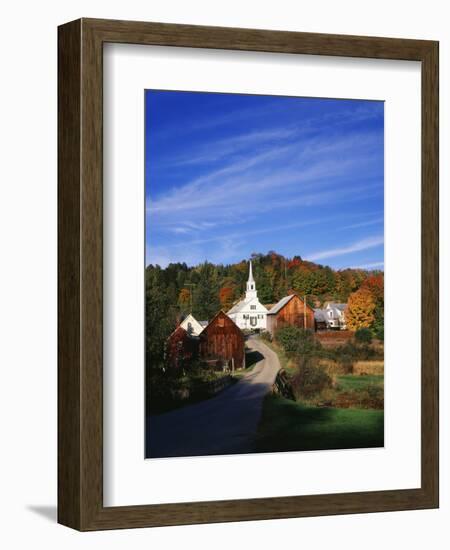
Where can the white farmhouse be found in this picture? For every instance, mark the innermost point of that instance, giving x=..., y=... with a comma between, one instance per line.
x=249, y=313
x=335, y=315
x=191, y=325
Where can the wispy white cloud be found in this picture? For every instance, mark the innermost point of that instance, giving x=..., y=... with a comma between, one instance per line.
x=233, y=146
x=369, y=266
x=284, y=174
x=285, y=112
x=235, y=236
x=185, y=227
x=226, y=118
x=363, y=224
x=357, y=246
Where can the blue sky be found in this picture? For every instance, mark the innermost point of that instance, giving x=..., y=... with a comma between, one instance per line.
x=228, y=175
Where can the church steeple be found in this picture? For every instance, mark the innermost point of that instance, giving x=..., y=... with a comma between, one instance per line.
x=251, y=286
x=250, y=274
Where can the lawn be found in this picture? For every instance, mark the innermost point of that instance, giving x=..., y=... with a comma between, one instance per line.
x=350, y=382
x=290, y=426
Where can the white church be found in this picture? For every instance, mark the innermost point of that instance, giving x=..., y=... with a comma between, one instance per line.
x=249, y=313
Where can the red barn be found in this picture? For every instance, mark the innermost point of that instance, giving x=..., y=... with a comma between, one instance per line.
x=290, y=310
x=223, y=340
x=181, y=348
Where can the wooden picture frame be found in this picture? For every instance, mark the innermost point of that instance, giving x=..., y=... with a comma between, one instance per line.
x=80, y=271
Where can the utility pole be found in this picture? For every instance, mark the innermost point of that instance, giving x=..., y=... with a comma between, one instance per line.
x=304, y=312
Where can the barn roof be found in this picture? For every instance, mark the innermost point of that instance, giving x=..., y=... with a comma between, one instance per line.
x=280, y=305
x=336, y=305
x=320, y=315
x=218, y=314
x=181, y=329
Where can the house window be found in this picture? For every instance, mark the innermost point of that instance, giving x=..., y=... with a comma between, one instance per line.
x=252, y=307
x=221, y=322
x=330, y=313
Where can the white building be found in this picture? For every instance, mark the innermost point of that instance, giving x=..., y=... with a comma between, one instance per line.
x=335, y=315
x=191, y=325
x=249, y=313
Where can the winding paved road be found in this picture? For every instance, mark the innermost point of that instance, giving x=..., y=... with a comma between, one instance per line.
x=225, y=424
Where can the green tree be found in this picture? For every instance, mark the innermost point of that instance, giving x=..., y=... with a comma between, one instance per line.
x=206, y=294
x=302, y=282
x=160, y=318
x=363, y=336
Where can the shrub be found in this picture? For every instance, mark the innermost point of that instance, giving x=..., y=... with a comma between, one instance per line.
x=265, y=335
x=288, y=338
x=163, y=390
x=295, y=341
x=379, y=333
x=376, y=397
x=310, y=379
x=363, y=336
x=357, y=352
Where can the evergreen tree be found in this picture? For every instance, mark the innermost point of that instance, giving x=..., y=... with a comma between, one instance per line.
x=206, y=294
x=159, y=318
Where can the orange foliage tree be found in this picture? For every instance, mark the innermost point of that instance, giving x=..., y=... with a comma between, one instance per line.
x=375, y=283
x=184, y=297
x=226, y=297
x=360, y=309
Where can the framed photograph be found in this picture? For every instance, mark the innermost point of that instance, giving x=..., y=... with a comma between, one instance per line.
x=248, y=274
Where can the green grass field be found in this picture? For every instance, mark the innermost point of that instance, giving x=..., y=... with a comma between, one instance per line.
x=350, y=382
x=289, y=426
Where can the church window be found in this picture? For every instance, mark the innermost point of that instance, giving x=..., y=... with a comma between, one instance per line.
x=252, y=307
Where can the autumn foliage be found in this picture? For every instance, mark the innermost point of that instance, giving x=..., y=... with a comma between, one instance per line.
x=184, y=297
x=375, y=283
x=360, y=312
x=226, y=297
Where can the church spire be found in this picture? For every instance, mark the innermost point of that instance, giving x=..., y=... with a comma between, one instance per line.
x=251, y=286
x=250, y=274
